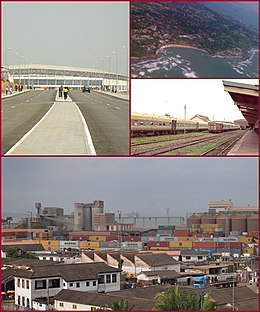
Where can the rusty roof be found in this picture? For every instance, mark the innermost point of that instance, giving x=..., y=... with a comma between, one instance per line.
x=157, y=259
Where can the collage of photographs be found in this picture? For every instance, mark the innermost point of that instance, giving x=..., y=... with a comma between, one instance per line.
x=129, y=155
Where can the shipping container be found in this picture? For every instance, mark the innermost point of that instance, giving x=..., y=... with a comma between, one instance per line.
x=132, y=245
x=157, y=244
x=181, y=233
x=187, y=239
x=131, y=238
x=166, y=227
x=228, y=239
x=207, y=239
x=89, y=245
x=50, y=245
x=97, y=238
x=244, y=239
x=184, y=244
x=158, y=248
x=69, y=244
x=204, y=244
x=248, y=251
x=114, y=244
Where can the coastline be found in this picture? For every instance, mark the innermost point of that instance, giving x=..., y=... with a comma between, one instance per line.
x=152, y=56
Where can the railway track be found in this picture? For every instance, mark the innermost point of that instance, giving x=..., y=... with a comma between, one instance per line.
x=223, y=148
x=186, y=142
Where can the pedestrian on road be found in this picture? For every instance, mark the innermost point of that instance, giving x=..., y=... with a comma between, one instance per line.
x=11, y=90
x=60, y=91
x=65, y=92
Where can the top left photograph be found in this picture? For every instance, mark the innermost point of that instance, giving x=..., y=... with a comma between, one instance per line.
x=65, y=78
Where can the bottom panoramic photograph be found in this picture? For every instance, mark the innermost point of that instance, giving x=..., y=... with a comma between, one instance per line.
x=129, y=234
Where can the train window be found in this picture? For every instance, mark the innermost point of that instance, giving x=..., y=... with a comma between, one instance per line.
x=164, y=124
x=141, y=123
x=151, y=123
x=135, y=122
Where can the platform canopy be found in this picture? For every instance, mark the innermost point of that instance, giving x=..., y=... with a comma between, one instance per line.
x=245, y=97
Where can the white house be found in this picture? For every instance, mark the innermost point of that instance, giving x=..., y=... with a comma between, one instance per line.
x=46, y=281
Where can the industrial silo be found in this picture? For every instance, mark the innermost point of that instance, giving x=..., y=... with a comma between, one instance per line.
x=78, y=216
x=208, y=219
x=224, y=222
x=239, y=223
x=193, y=220
x=252, y=223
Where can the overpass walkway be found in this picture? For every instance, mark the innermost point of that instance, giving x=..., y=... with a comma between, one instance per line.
x=62, y=131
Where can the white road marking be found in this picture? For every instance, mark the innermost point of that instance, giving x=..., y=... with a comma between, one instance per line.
x=28, y=133
x=88, y=136
x=13, y=106
x=117, y=107
x=108, y=104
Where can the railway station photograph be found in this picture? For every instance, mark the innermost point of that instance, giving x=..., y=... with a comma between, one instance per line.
x=65, y=85
x=194, y=117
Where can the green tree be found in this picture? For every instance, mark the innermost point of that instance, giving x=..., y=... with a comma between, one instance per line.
x=121, y=305
x=17, y=252
x=174, y=299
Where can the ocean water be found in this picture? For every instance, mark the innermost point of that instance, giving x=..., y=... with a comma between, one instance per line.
x=175, y=62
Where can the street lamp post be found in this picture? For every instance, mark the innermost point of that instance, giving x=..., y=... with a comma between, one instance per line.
x=102, y=69
x=15, y=53
x=116, y=71
x=184, y=119
x=6, y=67
x=21, y=57
x=127, y=64
x=109, y=61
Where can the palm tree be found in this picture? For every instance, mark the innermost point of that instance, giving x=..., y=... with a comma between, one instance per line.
x=121, y=305
x=174, y=299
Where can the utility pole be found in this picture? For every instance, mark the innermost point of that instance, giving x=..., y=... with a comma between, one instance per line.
x=29, y=228
x=119, y=232
x=168, y=215
x=184, y=119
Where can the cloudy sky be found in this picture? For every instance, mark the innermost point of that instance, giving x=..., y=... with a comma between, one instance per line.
x=147, y=186
x=201, y=96
x=66, y=33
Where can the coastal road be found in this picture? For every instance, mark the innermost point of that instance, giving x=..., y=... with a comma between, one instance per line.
x=21, y=112
x=107, y=118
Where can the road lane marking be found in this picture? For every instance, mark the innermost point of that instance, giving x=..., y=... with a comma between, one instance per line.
x=117, y=107
x=28, y=133
x=13, y=106
x=88, y=136
x=108, y=104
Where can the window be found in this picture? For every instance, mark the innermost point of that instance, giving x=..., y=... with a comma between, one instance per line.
x=27, y=284
x=64, y=284
x=40, y=284
x=19, y=300
x=101, y=279
x=87, y=284
x=27, y=303
x=54, y=283
x=71, y=284
x=188, y=257
x=22, y=283
x=18, y=282
x=74, y=306
x=61, y=304
x=114, y=279
x=94, y=283
x=200, y=257
x=23, y=301
x=77, y=284
x=108, y=278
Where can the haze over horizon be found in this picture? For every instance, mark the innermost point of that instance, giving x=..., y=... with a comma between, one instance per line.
x=184, y=185
x=76, y=34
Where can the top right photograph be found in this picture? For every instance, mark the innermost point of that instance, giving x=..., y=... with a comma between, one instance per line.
x=194, y=39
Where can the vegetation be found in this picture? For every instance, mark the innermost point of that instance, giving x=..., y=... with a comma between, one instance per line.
x=121, y=305
x=174, y=299
x=17, y=252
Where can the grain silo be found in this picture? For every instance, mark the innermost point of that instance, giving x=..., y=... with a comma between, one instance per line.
x=78, y=216
x=208, y=219
x=238, y=223
x=252, y=223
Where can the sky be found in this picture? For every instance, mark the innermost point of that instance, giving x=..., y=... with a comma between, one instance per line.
x=66, y=33
x=145, y=185
x=201, y=96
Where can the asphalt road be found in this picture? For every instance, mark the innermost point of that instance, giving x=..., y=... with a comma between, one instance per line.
x=107, y=118
x=21, y=112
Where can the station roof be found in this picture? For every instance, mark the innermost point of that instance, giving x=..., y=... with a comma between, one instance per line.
x=245, y=97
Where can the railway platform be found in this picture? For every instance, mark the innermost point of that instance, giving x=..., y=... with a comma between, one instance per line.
x=247, y=145
x=62, y=130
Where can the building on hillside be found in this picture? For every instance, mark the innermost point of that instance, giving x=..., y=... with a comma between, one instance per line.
x=200, y=118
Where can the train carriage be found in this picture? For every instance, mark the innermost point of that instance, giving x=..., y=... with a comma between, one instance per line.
x=153, y=125
x=221, y=126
